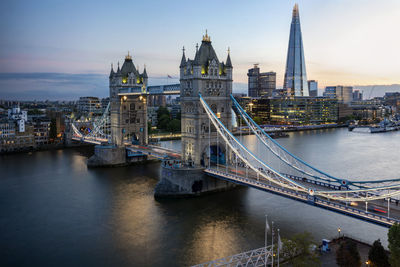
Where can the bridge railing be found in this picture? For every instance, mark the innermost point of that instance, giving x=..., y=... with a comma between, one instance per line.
x=304, y=197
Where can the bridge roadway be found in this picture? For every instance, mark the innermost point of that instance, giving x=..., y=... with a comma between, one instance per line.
x=154, y=151
x=92, y=140
x=335, y=206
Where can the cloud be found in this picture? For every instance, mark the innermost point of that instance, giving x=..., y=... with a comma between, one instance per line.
x=52, y=86
x=66, y=86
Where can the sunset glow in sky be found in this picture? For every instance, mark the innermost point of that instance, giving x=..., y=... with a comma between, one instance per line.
x=349, y=42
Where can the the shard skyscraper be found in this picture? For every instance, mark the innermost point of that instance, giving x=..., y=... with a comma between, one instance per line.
x=295, y=82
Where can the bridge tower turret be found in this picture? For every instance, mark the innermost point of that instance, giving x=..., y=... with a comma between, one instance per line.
x=206, y=75
x=128, y=108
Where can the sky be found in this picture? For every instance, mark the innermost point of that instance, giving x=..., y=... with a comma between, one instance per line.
x=63, y=49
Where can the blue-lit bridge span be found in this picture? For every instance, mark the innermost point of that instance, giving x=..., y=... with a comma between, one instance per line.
x=289, y=176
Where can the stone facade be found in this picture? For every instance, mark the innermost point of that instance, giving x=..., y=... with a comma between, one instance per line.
x=207, y=76
x=128, y=108
x=184, y=182
x=107, y=156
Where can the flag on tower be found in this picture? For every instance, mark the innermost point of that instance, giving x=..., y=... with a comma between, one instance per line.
x=279, y=242
x=267, y=225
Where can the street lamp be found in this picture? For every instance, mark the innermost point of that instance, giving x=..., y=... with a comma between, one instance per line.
x=339, y=230
x=367, y=262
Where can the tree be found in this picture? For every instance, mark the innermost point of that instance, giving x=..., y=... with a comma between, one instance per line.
x=53, y=129
x=347, y=254
x=34, y=112
x=162, y=111
x=394, y=245
x=298, y=250
x=377, y=255
x=174, y=126
x=163, y=122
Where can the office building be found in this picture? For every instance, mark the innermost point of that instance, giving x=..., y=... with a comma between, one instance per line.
x=344, y=94
x=304, y=110
x=292, y=111
x=313, y=87
x=330, y=92
x=41, y=129
x=357, y=95
x=90, y=105
x=261, y=84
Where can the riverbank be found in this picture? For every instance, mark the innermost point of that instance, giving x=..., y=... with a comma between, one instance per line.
x=328, y=259
x=275, y=133
x=48, y=147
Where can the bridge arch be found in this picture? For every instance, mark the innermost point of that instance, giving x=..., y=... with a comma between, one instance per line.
x=218, y=154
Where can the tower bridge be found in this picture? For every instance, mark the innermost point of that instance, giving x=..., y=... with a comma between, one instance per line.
x=212, y=158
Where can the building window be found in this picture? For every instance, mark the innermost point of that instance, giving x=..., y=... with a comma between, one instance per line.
x=138, y=121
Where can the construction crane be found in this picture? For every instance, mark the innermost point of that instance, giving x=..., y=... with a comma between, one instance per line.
x=370, y=92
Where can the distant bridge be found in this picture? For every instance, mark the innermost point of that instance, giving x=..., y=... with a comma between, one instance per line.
x=169, y=89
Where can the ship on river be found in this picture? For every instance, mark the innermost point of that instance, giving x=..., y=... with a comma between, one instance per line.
x=384, y=126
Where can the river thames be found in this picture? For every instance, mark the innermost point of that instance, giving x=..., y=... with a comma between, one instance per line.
x=57, y=212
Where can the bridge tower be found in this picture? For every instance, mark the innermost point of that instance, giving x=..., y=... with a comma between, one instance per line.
x=206, y=75
x=128, y=112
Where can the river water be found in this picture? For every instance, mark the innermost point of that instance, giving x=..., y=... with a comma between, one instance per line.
x=57, y=212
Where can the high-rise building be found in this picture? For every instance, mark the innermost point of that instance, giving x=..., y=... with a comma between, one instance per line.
x=357, y=95
x=330, y=91
x=261, y=84
x=295, y=82
x=344, y=94
x=313, y=86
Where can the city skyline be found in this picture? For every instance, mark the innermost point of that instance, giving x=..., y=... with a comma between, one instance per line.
x=45, y=38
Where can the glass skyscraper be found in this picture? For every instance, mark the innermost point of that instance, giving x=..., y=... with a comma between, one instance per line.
x=295, y=82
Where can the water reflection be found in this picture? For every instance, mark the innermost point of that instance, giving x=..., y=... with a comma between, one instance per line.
x=59, y=212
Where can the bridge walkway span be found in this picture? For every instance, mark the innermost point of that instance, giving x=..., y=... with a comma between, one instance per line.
x=305, y=198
